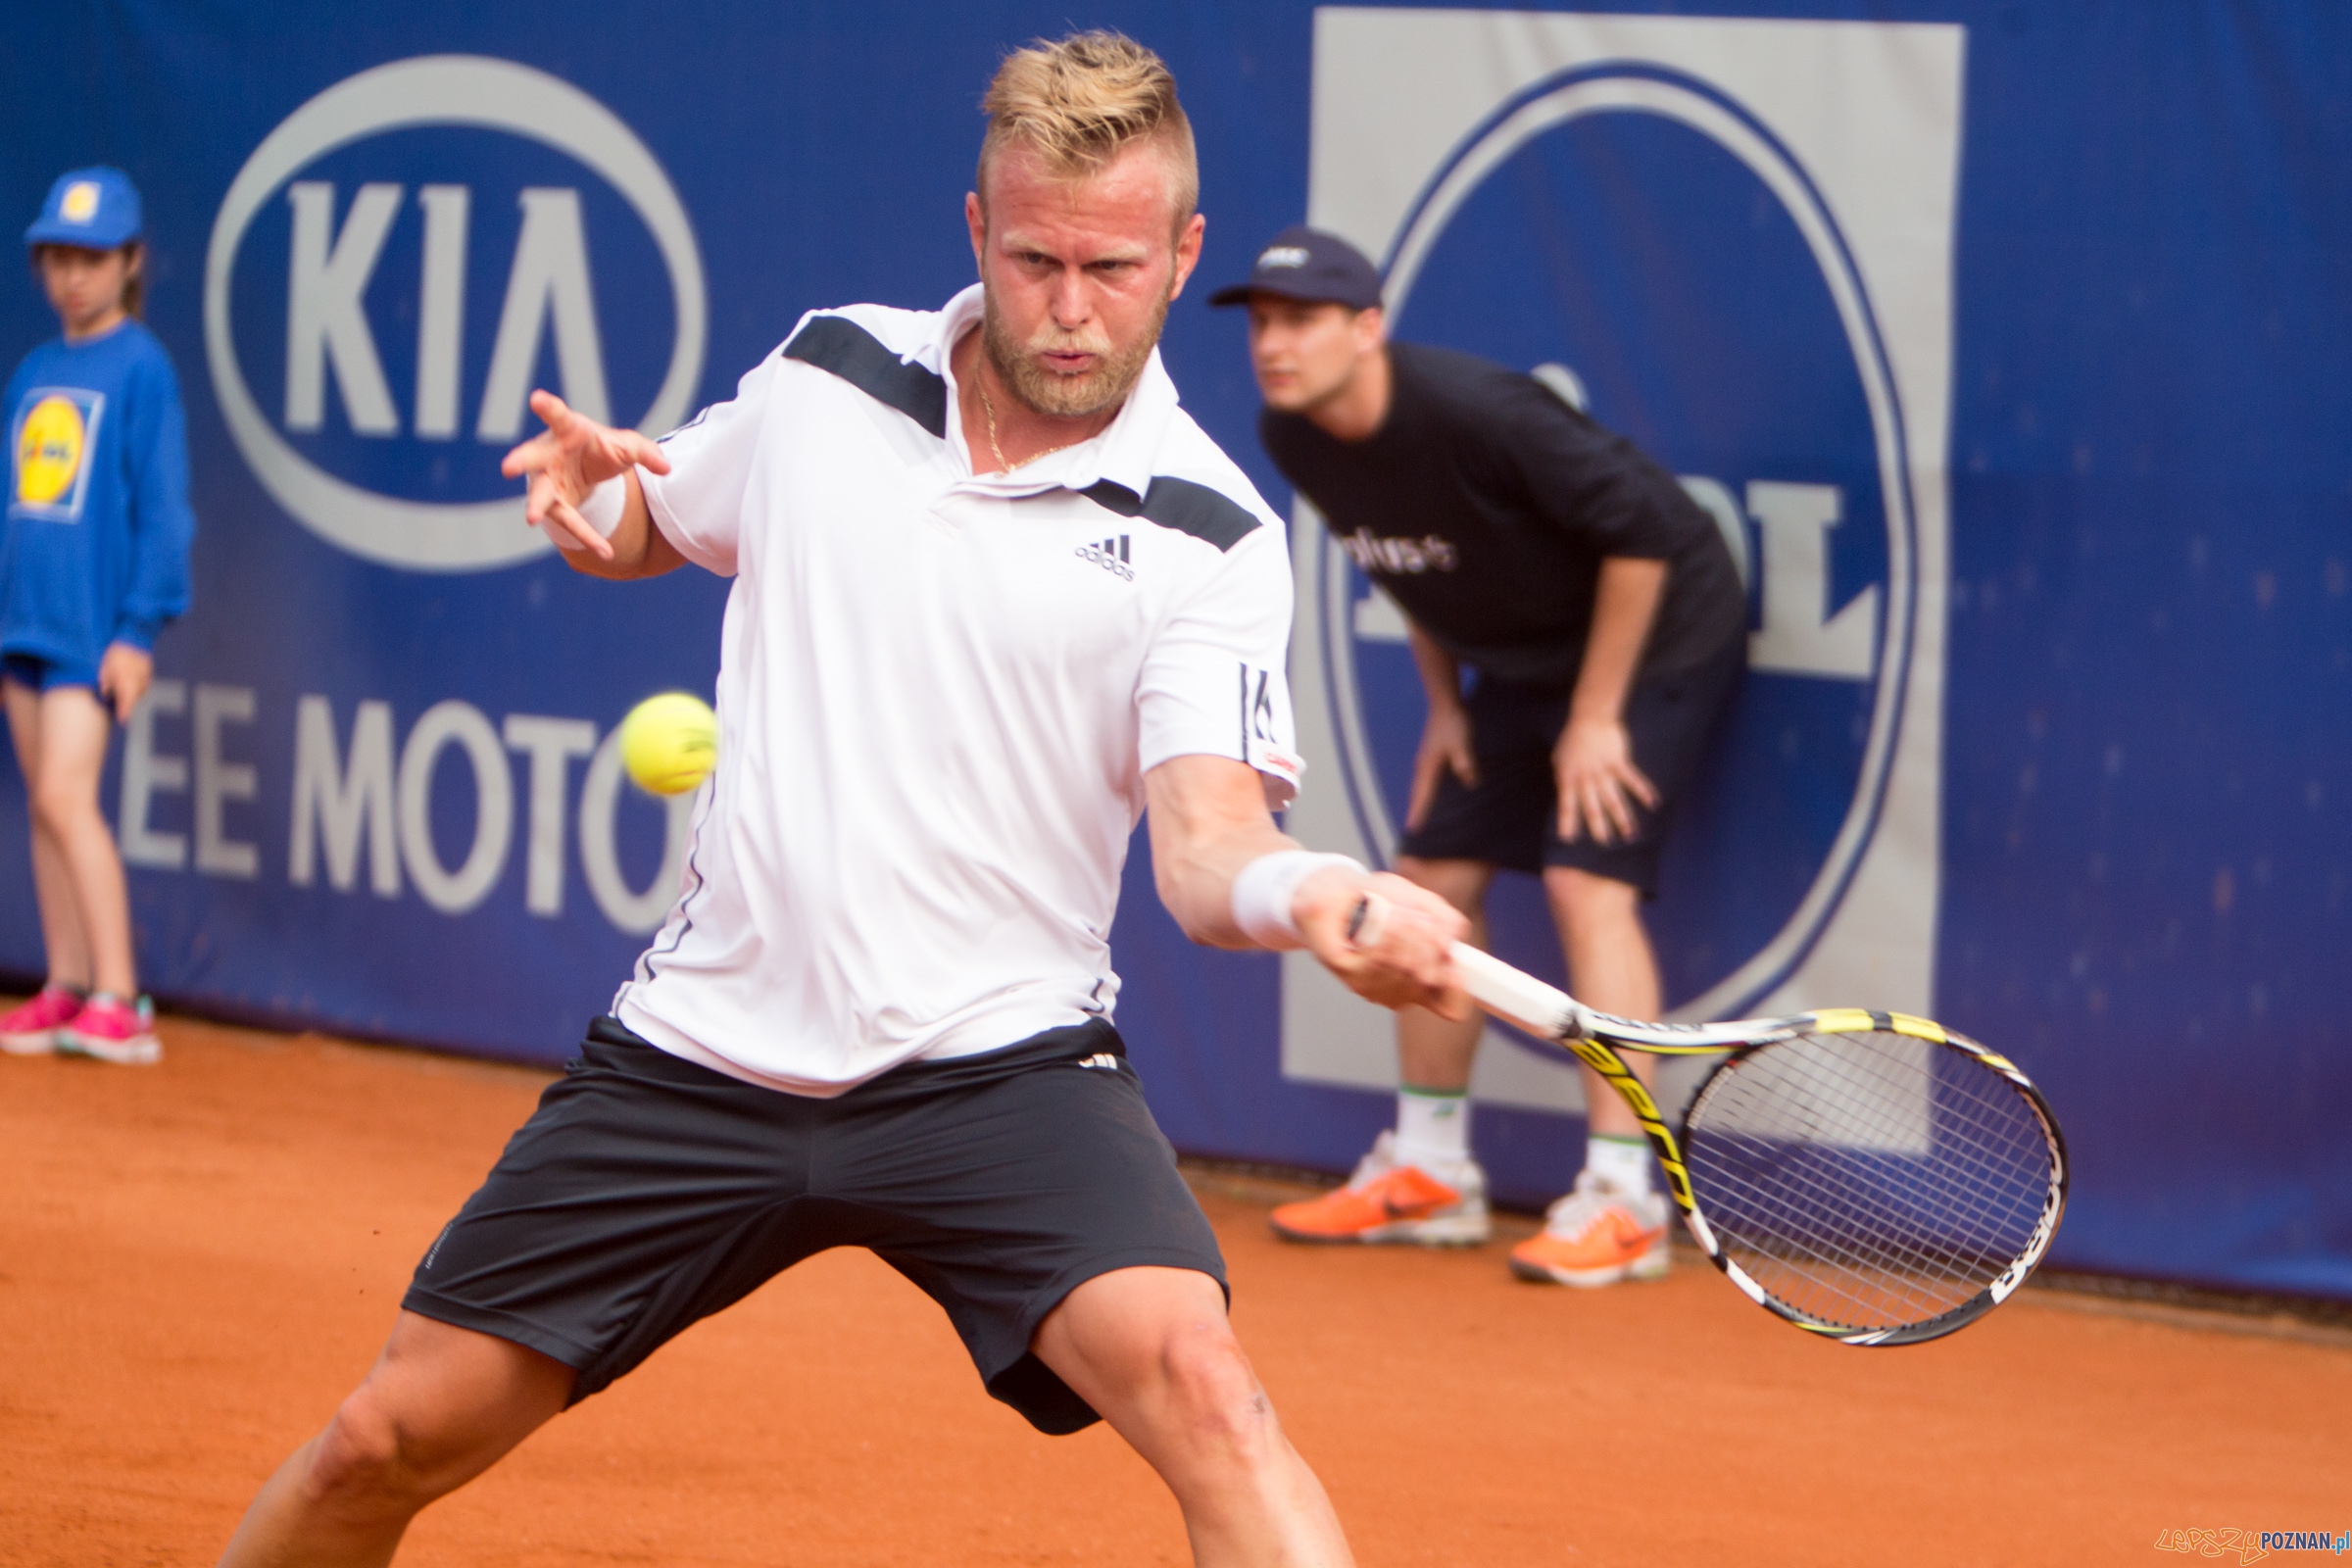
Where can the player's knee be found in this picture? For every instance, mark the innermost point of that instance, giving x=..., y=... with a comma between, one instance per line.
x=364, y=1462
x=1217, y=1409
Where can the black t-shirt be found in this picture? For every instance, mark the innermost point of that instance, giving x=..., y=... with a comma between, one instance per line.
x=1485, y=505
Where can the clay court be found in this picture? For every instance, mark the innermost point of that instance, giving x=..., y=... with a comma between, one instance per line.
x=197, y=1259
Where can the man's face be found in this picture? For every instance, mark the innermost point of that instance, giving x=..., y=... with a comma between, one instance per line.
x=1306, y=355
x=1079, y=275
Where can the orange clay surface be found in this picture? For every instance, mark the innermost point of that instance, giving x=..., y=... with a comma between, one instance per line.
x=197, y=1259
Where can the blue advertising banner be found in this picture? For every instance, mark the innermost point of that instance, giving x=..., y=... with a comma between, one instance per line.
x=2003, y=340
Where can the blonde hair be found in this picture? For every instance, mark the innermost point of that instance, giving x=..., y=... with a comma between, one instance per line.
x=1081, y=101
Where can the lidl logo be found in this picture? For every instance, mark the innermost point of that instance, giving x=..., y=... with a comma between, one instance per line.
x=80, y=204
x=52, y=441
x=403, y=260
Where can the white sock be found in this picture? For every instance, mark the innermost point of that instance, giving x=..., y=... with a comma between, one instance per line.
x=1433, y=1127
x=1622, y=1162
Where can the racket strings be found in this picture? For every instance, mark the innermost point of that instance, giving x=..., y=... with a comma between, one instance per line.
x=1927, y=1235
x=1870, y=1179
x=1859, y=1249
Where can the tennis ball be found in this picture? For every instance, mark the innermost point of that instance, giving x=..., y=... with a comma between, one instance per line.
x=670, y=742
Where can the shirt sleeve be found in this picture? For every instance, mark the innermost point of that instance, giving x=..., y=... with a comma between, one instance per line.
x=1590, y=483
x=699, y=504
x=163, y=525
x=1213, y=679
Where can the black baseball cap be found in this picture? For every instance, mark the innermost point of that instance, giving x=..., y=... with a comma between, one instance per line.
x=1311, y=266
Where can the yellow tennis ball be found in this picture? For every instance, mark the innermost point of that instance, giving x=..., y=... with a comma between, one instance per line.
x=670, y=742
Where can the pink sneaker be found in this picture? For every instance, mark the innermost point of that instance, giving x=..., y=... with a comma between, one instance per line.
x=30, y=1030
x=112, y=1030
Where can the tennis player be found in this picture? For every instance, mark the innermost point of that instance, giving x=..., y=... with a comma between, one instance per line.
x=995, y=595
x=1605, y=622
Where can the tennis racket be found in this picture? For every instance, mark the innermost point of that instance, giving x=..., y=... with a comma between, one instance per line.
x=1871, y=1177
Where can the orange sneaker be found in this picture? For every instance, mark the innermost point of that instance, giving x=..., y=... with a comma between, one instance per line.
x=1597, y=1235
x=1387, y=1202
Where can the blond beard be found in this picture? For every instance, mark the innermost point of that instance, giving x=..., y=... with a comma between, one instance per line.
x=1066, y=396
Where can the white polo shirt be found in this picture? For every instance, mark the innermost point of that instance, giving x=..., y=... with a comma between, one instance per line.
x=938, y=696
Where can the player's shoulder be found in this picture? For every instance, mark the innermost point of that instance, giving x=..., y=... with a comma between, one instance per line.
x=887, y=353
x=1198, y=492
x=907, y=334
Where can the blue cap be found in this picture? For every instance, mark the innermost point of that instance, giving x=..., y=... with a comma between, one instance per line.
x=1309, y=265
x=97, y=209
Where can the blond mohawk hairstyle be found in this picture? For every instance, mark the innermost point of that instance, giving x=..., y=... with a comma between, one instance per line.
x=1081, y=101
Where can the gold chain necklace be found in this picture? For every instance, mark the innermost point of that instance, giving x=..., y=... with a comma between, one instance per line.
x=988, y=409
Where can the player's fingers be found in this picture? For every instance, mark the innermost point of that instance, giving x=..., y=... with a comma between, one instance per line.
x=560, y=515
x=1465, y=765
x=539, y=453
x=555, y=411
x=1637, y=782
x=644, y=451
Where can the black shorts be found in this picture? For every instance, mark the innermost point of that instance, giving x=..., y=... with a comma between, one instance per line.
x=647, y=1192
x=1511, y=816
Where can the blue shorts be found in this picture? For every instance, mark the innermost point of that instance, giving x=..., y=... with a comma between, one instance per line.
x=46, y=674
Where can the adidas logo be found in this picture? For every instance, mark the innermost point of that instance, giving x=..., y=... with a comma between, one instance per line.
x=1111, y=555
x=1103, y=1059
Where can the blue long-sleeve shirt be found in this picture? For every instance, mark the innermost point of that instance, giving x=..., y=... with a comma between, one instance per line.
x=95, y=549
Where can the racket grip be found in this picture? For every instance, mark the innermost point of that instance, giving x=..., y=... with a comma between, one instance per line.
x=1521, y=998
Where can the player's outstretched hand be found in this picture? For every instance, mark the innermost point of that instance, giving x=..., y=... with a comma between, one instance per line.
x=1386, y=939
x=1599, y=783
x=570, y=458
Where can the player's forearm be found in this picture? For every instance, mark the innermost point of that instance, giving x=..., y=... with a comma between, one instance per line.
x=1208, y=821
x=1441, y=673
x=1196, y=881
x=1623, y=609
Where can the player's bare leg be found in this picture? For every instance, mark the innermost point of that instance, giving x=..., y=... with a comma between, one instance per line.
x=440, y=1406
x=1151, y=1350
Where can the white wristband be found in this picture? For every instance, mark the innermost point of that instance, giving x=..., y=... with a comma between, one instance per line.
x=600, y=508
x=1263, y=891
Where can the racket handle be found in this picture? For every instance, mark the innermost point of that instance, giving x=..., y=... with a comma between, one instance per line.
x=1521, y=998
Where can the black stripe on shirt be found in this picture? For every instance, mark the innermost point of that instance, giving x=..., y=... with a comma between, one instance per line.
x=837, y=344
x=1181, y=504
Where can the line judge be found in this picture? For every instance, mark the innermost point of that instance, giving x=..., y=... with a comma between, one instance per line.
x=1603, y=620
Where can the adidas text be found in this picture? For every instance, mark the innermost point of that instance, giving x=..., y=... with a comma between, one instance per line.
x=1111, y=555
